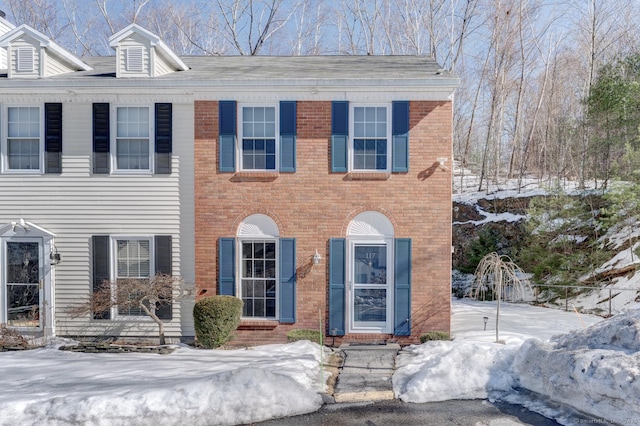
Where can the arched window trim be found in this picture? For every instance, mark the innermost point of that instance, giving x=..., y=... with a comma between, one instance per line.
x=370, y=224
x=258, y=226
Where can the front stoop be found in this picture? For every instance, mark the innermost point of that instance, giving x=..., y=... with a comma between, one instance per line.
x=366, y=373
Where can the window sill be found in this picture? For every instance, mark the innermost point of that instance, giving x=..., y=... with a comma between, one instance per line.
x=367, y=176
x=258, y=325
x=255, y=176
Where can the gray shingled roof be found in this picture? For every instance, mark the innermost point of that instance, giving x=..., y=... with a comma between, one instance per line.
x=276, y=70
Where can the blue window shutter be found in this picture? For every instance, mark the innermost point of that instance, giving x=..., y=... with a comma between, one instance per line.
x=227, y=133
x=163, y=137
x=100, y=267
x=288, y=136
x=53, y=137
x=163, y=266
x=287, y=280
x=227, y=266
x=337, y=286
x=101, y=138
x=400, y=135
x=402, y=287
x=339, y=136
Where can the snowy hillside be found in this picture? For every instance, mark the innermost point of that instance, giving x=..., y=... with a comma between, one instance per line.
x=618, y=284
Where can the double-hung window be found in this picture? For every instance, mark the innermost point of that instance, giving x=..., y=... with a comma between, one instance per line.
x=258, y=139
x=24, y=143
x=259, y=278
x=133, y=261
x=370, y=146
x=129, y=264
x=259, y=267
x=132, y=140
x=368, y=138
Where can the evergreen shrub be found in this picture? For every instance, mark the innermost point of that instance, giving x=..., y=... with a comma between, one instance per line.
x=215, y=319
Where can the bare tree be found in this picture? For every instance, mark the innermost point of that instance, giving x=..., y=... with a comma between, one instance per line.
x=502, y=279
x=309, y=22
x=249, y=24
x=136, y=295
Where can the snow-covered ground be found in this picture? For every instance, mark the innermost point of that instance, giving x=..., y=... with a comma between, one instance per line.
x=594, y=369
x=190, y=386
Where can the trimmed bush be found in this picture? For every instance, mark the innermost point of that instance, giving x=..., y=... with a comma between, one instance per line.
x=434, y=335
x=215, y=319
x=312, y=335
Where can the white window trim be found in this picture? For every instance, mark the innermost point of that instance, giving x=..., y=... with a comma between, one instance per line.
x=352, y=107
x=114, y=137
x=113, y=270
x=239, y=126
x=276, y=240
x=4, y=116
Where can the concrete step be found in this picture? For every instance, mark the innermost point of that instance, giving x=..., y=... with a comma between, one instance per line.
x=366, y=373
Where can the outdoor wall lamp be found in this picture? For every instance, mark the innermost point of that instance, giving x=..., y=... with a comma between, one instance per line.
x=485, y=319
x=441, y=163
x=54, y=256
x=316, y=258
x=19, y=224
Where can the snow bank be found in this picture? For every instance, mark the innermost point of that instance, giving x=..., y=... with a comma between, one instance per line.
x=189, y=386
x=440, y=371
x=596, y=371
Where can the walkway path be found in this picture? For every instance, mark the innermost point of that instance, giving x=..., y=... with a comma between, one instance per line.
x=366, y=373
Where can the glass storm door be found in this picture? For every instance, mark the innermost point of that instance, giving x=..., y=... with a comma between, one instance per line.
x=370, y=290
x=22, y=284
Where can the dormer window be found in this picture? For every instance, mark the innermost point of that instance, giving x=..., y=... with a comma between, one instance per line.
x=134, y=59
x=141, y=53
x=24, y=59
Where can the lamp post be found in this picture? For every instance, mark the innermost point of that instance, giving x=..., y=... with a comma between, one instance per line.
x=485, y=319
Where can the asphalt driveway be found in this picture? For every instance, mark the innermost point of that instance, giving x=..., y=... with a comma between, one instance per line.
x=395, y=412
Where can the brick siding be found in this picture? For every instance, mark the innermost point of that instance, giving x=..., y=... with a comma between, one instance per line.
x=313, y=205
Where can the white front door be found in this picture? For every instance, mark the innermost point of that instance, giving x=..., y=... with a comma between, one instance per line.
x=370, y=287
x=22, y=284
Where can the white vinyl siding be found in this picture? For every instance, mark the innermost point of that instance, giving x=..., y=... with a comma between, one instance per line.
x=160, y=65
x=53, y=65
x=76, y=205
